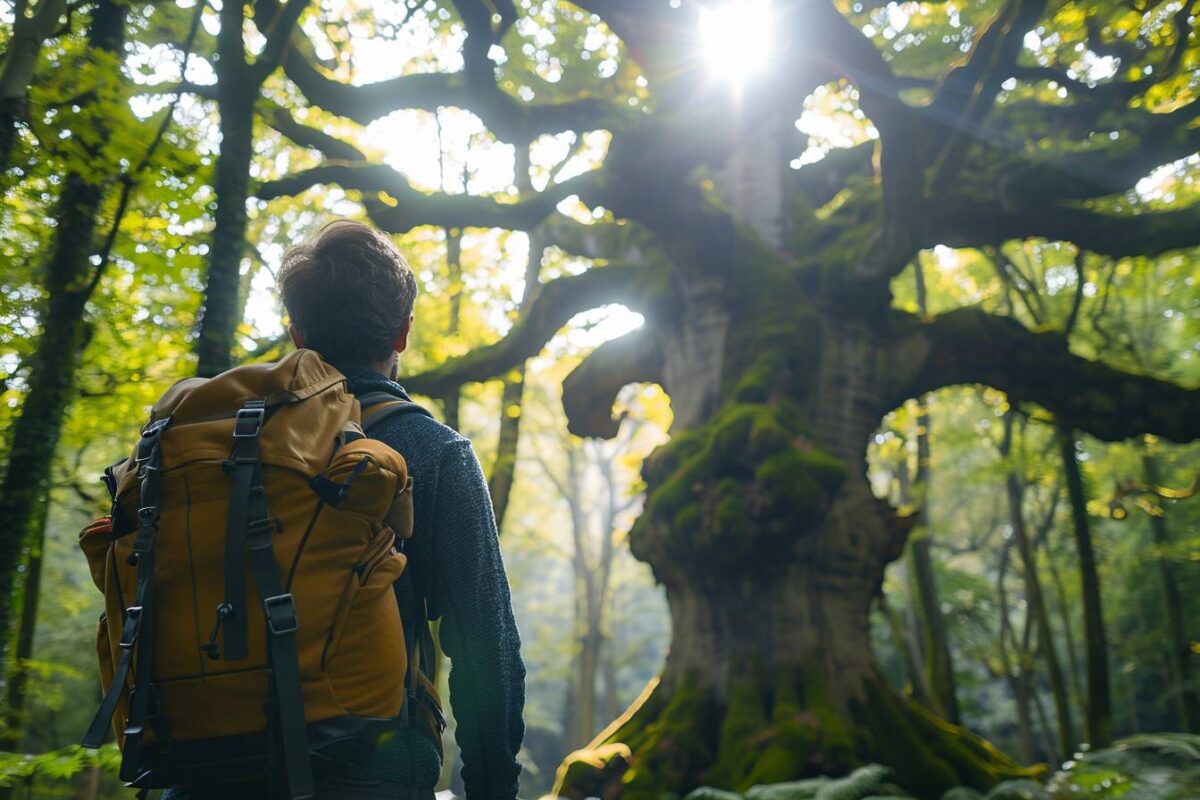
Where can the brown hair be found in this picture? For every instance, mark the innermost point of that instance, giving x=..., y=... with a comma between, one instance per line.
x=348, y=292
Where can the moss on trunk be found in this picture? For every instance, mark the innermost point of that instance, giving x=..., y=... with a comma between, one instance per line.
x=776, y=727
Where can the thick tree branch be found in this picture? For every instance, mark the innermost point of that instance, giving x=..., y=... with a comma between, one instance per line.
x=968, y=91
x=591, y=388
x=828, y=37
x=331, y=147
x=506, y=116
x=970, y=346
x=1148, y=141
x=959, y=223
x=552, y=307
x=404, y=207
x=278, y=31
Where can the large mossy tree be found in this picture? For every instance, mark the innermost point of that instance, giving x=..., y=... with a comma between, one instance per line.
x=770, y=323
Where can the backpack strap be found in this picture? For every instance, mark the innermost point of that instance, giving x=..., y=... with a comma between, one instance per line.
x=378, y=406
x=139, y=618
x=250, y=527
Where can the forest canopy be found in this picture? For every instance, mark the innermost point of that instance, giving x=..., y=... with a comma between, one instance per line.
x=834, y=365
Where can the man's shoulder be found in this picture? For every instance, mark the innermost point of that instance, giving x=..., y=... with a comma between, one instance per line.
x=411, y=430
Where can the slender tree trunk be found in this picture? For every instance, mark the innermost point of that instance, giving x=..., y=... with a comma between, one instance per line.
x=16, y=690
x=89, y=784
x=1064, y=613
x=1018, y=678
x=1062, y=704
x=20, y=59
x=70, y=281
x=1179, y=642
x=611, y=699
x=452, y=402
x=912, y=673
x=938, y=663
x=504, y=469
x=1099, y=701
x=910, y=638
x=220, y=316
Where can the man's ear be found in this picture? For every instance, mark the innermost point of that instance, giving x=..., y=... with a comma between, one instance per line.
x=400, y=343
x=294, y=332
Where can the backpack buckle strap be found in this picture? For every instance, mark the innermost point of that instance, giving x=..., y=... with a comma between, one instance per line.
x=281, y=614
x=249, y=419
x=129, y=633
x=246, y=501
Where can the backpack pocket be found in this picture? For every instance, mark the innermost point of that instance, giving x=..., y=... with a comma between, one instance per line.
x=364, y=657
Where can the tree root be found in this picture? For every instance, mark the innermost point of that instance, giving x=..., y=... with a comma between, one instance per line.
x=777, y=728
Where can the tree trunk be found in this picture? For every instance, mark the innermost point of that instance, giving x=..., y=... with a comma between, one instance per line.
x=1064, y=613
x=1179, y=641
x=910, y=633
x=1018, y=677
x=70, y=281
x=504, y=469
x=29, y=34
x=1099, y=700
x=761, y=525
x=938, y=664
x=1036, y=599
x=231, y=183
x=89, y=784
x=912, y=672
x=16, y=690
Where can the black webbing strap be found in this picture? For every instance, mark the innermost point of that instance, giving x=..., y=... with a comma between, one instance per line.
x=378, y=406
x=139, y=618
x=280, y=609
x=243, y=461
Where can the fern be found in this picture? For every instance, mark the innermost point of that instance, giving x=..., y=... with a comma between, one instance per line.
x=709, y=793
x=963, y=793
x=793, y=790
x=1018, y=790
x=862, y=782
x=1157, y=766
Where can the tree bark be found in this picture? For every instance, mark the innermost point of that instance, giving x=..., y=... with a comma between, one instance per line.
x=763, y=530
x=1178, y=639
x=1036, y=598
x=70, y=281
x=504, y=469
x=220, y=315
x=938, y=663
x=1018, y=678
x=20, y=59
x=239, y=83
x=1099, y=700
x=16, y=690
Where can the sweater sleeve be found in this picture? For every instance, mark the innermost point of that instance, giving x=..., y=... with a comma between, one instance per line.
x=478, y=632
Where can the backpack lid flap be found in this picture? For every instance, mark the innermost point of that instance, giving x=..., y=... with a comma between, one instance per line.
x=296, y=377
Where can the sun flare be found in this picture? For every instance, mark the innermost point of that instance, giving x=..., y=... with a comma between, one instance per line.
x=735, y=39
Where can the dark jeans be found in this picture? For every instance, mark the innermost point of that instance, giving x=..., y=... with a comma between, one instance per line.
x=328, y=788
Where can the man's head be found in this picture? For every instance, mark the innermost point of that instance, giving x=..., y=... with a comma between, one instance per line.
x=350, y=296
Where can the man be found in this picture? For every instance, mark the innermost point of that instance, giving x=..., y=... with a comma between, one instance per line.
x=349, y=294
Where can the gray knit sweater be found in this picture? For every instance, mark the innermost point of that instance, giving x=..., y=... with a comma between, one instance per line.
x=454, y=561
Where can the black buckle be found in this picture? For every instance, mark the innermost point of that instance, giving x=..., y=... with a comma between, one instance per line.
x=251, y=417
x=281, y=614
x=133, y=618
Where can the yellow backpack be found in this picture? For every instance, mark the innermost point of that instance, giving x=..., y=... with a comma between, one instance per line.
x=248, y=570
